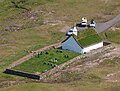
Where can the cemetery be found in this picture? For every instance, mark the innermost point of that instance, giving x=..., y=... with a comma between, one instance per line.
x=46, y=60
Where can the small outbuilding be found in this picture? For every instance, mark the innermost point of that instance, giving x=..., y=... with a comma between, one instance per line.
x=85, y=41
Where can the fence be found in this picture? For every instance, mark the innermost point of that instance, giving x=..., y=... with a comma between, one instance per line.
x=20, y=73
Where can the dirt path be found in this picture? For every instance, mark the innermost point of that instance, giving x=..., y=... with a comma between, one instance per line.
x=100, y=27
x=27, y=57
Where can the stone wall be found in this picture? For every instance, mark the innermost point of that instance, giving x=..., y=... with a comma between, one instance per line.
x=58, y=68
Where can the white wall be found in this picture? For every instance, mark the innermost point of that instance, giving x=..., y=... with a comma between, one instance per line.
x=71, y=44
x=91, y=47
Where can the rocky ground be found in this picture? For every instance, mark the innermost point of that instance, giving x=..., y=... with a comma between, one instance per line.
x=92, y=60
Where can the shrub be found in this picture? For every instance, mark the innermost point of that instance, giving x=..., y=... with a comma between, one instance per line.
x=57, y=50
x=61, y=51
x=51, y=64
x=46, y=53
x=66, y=56
x=41, y=53
x=48, y=63
x=44, y=63
x=38, y=54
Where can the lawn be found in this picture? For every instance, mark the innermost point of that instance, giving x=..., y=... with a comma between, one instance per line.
x=46, y=60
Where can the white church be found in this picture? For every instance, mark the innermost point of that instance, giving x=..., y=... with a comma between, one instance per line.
x=82, y=41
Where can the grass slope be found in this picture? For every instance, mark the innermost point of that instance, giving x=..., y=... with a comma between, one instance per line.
x=112, y=36
x=90, y=80
x=32, y=32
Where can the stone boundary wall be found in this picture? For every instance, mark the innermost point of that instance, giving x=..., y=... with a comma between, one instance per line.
x=58, y=68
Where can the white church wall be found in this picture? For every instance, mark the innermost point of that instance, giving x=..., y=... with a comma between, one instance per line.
x=91, y=47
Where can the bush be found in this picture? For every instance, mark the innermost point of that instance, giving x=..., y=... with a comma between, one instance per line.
x=61, y=51
x=66, y=56
x=46, y=53
x=48, y=63
x=56, y=59
x=51, y=64
x=44, y=63
x=57, y=50
x=41, y=53
x=38, y=55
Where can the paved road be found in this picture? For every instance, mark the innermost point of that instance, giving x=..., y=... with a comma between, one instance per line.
x=100, y=27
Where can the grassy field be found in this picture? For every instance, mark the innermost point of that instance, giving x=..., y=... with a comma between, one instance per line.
x=64, y=87
x=30, y=30
x=90, y=80
x=111, y=35
x=47, y=60
x=18, y=42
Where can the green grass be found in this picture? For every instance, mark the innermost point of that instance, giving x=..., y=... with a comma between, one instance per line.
x=34, y=35
x=29, y=39
x=85, y=33
x=46, y=61
x=88, y=37
x=90, y=80
x=112, y=36
x=64, y=87
x=92, y=39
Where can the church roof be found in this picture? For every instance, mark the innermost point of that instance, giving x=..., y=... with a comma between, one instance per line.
x=87, y=37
